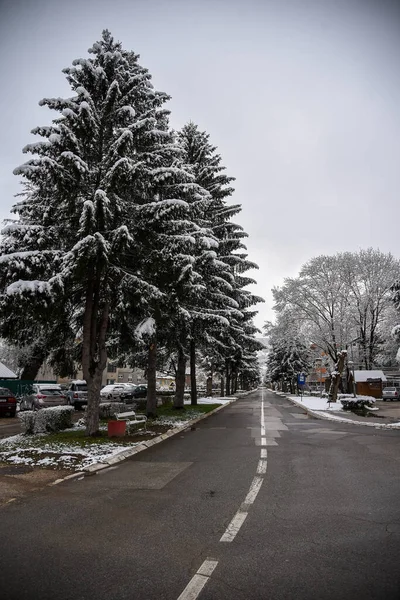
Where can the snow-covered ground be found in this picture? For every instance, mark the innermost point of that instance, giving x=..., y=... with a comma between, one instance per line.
x=315, y=403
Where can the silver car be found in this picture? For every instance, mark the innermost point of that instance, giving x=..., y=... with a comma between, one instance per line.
x=390, y=393
x=77, y=393
x=43, y=395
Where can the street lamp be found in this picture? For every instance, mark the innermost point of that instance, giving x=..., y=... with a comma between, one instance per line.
x=350, y=364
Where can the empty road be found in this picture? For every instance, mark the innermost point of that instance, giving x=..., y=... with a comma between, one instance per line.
x=259, y=502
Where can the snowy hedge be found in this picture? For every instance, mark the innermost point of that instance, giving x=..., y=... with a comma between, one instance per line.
x=46, y=420
x=108, y=410
x=349, y=402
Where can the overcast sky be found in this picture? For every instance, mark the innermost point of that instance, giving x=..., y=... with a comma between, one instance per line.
x=301, y=97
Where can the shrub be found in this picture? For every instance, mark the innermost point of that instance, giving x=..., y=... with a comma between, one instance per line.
x=359, y=402
x=108, y=410
x=46, y=420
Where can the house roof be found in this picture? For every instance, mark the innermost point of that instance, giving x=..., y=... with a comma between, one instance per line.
x=6, y=373
x=361, y=376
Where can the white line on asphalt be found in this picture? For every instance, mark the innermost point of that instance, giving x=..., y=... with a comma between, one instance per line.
x=262, y=467
x=233, y=528
x=254, y=489
x=199, y=580
x=240, y=517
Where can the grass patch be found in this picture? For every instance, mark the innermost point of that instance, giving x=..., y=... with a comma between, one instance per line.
x=187, y=412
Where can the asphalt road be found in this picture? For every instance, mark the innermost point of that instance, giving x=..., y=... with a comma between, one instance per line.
x=306, y=509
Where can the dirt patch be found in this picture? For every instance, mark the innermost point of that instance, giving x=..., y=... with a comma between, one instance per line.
x=18, y=480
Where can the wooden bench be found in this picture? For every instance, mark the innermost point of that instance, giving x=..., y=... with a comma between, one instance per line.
x=131, y=418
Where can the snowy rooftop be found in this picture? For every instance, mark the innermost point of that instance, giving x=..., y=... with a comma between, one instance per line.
x=6, y=373
x=361, y=376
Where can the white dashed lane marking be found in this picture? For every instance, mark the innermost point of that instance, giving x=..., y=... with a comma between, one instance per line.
x=199, y=580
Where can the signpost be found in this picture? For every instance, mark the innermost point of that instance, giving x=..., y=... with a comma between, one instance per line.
x=301, y=380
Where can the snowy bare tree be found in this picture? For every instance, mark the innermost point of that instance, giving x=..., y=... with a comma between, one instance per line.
x=340, y=300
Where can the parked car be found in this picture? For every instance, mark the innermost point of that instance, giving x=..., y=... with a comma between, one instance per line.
x=43, y=395
x=113, y=391
x=140, y=391
x=77, y=393
x=8, y=402
x=390, y=393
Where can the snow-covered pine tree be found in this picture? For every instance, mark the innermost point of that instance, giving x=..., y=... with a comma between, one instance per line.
x=96, y=188
x=215, y=308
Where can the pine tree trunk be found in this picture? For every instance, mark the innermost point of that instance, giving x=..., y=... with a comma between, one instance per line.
x=151, y=404
x=93, y=396
x=193, y=385
x=180, y=379
x=222, y=386
x=209, y=386
x=228, y=380
x=94, y=353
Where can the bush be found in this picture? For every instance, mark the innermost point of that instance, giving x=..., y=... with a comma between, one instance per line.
x=46, y=420
x=108, y=410
x=359, y=402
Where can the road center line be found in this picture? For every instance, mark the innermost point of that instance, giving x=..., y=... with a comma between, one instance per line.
x=240, y=517
x=233, y=528
x=254, y=489
x=262, y=467
x=199, y=580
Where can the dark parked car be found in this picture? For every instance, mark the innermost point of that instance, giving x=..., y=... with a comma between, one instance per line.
x=43, y=395
x=140, y=391
x=8, y=402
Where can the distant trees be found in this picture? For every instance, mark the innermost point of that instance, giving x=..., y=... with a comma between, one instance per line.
x=341, y=300
x=124, y=242
x=288, y=354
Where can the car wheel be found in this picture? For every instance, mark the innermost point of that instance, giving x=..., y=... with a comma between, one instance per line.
x=33, y=407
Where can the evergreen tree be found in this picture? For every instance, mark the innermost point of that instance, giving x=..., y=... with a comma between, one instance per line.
x=220, y=324
x=104, y=215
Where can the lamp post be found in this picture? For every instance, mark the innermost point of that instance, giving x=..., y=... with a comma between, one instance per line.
x=350, y=364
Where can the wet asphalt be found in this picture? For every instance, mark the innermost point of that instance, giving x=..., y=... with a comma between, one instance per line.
x=324, y=525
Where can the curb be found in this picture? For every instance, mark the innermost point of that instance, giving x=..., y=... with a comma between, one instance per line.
x=323, y=417
x=124, y=454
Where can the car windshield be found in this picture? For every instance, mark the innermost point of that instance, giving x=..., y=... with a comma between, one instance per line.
x=50, y=392
x=390, y=389
x=81, y=387
x=5, y=392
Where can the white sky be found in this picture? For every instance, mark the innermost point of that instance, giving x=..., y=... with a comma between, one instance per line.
x=301, y=97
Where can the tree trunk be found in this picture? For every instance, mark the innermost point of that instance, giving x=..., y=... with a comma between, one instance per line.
x=336, y=376
x=193, y=385
x=93, y=396
x=34, y=363
x=222, y=386
x=151, y=404
x=209, y=386
x=228, y=380
x=180, y=379
x=94, y=352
